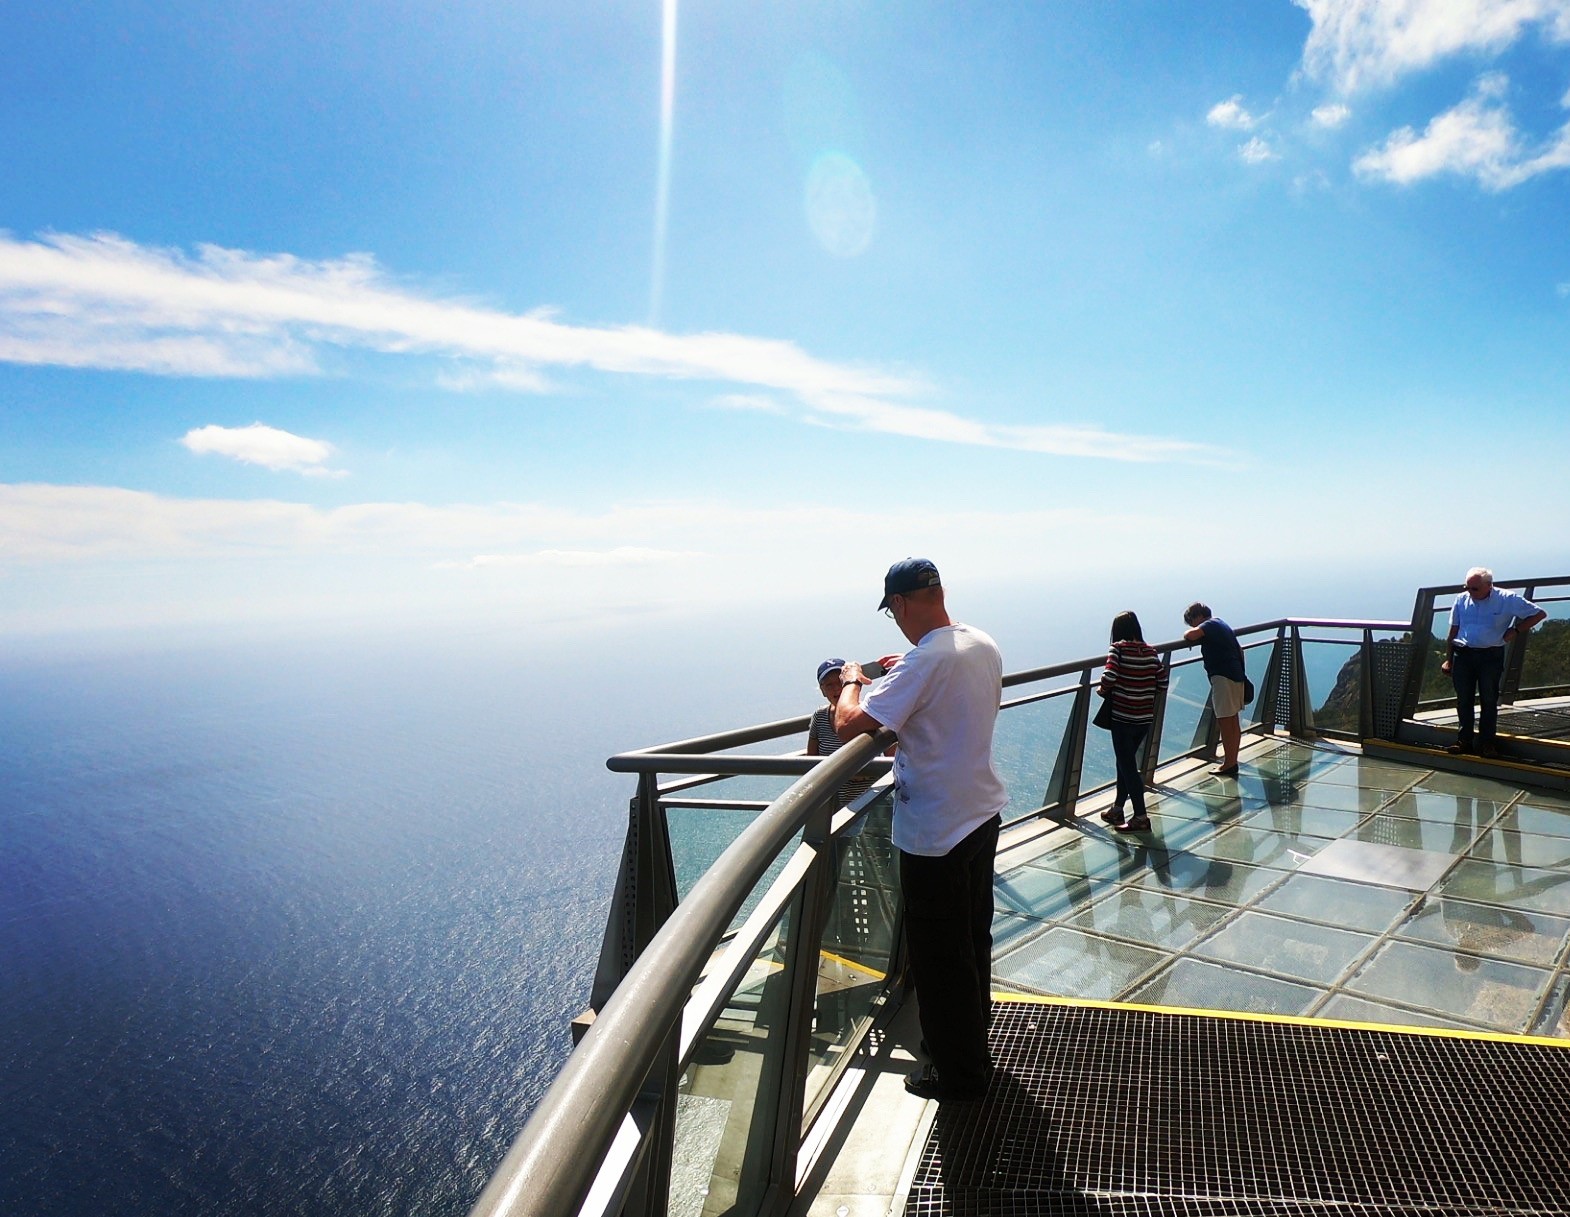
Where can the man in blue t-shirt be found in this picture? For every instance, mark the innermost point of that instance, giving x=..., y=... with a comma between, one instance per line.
x=1223, y=657
x=1482, y=620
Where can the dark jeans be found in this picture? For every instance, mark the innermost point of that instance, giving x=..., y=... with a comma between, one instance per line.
x=1477, y=670
x=1126, y=739
x=948, y=928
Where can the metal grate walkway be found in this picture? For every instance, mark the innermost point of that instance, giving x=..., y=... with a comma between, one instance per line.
x=1116, y=1110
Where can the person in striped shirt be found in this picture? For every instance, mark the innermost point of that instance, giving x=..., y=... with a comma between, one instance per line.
x=1133, y=676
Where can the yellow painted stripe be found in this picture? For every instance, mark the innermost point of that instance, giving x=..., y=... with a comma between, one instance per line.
x=852, y=965
x=1296, y=1020
x=1497, y=762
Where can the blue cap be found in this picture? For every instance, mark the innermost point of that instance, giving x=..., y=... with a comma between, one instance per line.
x=827, y=666
x=908, y=576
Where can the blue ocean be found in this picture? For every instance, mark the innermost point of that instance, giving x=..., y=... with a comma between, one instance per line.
x=295, y=929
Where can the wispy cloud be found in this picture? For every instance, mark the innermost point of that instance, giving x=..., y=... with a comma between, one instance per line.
x=755, y=403
x=1232, y=115
x=43, y=523
x=1256, y=152
x=266, y=446
x=1330, y=115
x=1368, y=43
x=1476, y=139
x=622, y=555
x=105, y=302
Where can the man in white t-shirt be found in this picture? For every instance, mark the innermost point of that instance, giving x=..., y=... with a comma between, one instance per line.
x=941, y=699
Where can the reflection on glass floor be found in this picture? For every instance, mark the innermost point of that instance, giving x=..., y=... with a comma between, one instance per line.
x=1320, y=884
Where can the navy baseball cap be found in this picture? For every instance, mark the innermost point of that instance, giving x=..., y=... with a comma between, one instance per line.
x=827, y=666
x=908, y=576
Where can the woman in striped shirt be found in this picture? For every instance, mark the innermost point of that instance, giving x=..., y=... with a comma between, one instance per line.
x=1133, y=676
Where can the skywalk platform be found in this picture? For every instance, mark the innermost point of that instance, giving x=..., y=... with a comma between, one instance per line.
x=1309, y=910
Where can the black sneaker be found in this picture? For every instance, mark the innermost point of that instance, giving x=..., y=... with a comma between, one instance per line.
x=924, y=1083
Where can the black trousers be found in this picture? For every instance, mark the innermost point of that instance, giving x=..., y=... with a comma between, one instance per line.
x=1126, y=739
x=948, y=928
x=1477, y=671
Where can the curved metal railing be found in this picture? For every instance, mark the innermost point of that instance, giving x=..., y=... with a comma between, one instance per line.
x=602, y=1137
x=554, y=1162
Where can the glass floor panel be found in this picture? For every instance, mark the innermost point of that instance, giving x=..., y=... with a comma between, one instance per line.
x=1532, y=816
x=1360, y=1010
x=1534, y=889
x=1314, y=821
x=1162, y=919
x=1260, y=847
x=1488, y=929
x=1353, y=906
x=1067, y=963
x=1298, y=949
x=1485, y=991
x=1427, y=835
x=1199, y=985
x=1210, y=910
x=1445, y=808
x=1505, y=848
x=1335, y=797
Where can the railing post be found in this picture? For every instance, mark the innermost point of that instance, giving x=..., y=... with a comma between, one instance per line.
x=1152, y=758
x=645, y=894
x=1515, y=660
x=1206, y=731
x=1063, y=789
x=803, y=947
x=1270, y=691
x=1365, y=697
x=1300, y=724
x=1422, y=635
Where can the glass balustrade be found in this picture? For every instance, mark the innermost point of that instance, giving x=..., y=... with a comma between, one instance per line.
x=1025, y=747
x=727, y=1102
x=857, y=944
x=1545, y=666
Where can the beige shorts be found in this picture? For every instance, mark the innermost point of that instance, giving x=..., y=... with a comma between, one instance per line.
x=1226, y=696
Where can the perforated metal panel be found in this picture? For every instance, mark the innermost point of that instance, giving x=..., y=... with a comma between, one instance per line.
x=1539, y=724
x=1127, y=1111
x=1390, y=660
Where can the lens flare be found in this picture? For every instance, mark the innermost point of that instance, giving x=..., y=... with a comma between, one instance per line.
x=841, y=211
x=662, y=189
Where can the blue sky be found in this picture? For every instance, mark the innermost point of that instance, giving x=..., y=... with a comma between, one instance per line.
x=400, y=312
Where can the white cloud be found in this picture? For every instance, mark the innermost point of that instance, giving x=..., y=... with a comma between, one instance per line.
x=1361, y=43
x=1257, y=152
x=55, y=524
x=512, y=379
x=1476, y=139
x=750, y=402
x=266, y=446
x=1330, y=115
x=1232, y=115
x=622, y=555
x=102, y=301
x=1562, y=290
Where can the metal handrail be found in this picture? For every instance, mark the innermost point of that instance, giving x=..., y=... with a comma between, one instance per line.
x=551, y=1166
